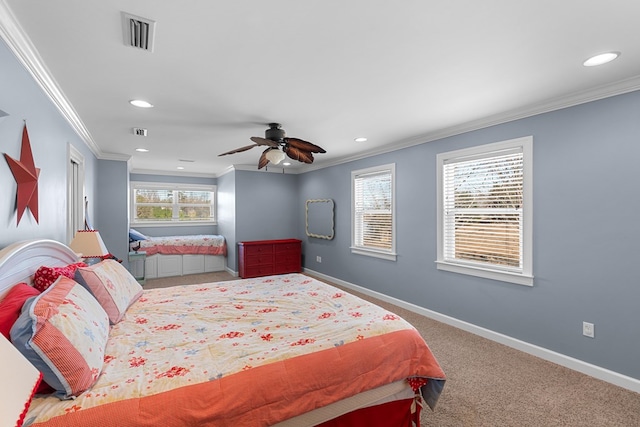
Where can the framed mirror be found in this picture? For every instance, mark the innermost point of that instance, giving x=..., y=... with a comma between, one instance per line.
x=319, y=218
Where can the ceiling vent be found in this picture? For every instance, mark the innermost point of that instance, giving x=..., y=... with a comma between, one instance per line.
x=139, y=131
x=138, y=32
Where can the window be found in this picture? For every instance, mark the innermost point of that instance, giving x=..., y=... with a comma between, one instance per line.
x=373, y=212
x=172, y=204
x=484, y=211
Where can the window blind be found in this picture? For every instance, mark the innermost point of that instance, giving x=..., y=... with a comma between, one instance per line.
x=373, y=210
x=483, y=209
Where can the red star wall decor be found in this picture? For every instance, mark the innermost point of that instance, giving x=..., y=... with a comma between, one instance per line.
x=26, y=174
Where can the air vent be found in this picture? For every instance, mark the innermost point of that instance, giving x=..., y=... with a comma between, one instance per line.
x=140, y=131
x=186, y=160
x=138, y=32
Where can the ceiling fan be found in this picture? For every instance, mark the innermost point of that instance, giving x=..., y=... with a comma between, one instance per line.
x=279, y=145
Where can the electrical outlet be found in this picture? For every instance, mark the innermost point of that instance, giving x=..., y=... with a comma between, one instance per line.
x=319, y=259
x=588, y=329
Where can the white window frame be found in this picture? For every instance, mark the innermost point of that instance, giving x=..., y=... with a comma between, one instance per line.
x=360, y=249
x=175, y=187
x=520, y=276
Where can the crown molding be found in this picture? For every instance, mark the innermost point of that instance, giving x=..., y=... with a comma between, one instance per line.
x=115, y=156
x=21, y=46
x=601, y=92
x=173, y=173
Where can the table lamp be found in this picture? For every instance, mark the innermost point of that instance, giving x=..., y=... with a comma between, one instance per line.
x=89, y=245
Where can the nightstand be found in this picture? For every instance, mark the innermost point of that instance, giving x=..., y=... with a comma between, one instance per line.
x=137, y=262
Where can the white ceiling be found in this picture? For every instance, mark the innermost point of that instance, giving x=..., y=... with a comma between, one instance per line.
x=399, y=73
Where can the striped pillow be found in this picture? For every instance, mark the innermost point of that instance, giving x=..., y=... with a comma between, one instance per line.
x=63, y=332
x=112, y=285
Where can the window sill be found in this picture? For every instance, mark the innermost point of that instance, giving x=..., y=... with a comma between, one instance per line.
x=390, y=256
x=504, y=276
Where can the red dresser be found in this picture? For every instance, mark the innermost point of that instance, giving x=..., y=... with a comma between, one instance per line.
x=266, y=257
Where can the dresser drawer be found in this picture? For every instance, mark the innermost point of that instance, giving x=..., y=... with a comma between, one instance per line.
x=287, y=267
x=251, y=250
x=291, y=248
x=259, y=259
x=288, y=258
x=258, y=271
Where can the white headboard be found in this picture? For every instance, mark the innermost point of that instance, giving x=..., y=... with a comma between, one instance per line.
x=19, y=261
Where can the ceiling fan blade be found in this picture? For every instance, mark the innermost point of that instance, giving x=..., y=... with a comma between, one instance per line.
x=263, y=159
x=264, y=141
x=304, y=145
x=299, y=155
x=238, y=150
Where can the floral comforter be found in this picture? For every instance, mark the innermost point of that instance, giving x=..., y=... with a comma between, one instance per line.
x=200, y=244
x=244, y=352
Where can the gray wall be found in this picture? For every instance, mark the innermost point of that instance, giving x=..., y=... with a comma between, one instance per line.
x=586, y=234
x=111, y=207
x=265, y=204
x=50, y=134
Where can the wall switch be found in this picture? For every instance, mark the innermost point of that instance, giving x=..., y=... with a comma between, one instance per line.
x=588, y=329
x=318, y=258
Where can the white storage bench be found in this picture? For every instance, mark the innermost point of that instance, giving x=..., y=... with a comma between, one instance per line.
x=159, y=265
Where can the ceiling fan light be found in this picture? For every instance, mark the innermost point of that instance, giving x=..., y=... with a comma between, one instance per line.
x=275, y=156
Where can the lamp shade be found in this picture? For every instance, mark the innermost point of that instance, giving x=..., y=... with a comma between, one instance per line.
x=275, y=156
x=89, y=244
x=19, y=382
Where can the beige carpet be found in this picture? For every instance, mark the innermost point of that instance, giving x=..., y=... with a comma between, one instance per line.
x=489, y=384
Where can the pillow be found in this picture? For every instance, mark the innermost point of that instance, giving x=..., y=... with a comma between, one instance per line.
x=136, y=235
x=10, y=308
x=11, y=305
x=45, y=276
x=112, y=285
x=63, y=332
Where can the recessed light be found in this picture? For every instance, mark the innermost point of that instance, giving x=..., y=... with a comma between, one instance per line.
x=286, y=164
x=180, y=167
x=600, y=59
x=360, y=139
x=142, y=150
x=140, y=103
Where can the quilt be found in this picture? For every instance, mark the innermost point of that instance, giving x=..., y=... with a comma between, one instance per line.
x=200, y=244
x=244, y=352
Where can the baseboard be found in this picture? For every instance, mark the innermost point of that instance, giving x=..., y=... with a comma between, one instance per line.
x=595, y=371
x=231, y=272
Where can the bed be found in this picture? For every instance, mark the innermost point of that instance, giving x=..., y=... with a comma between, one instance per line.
x=283, y=350
x=179, y=255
